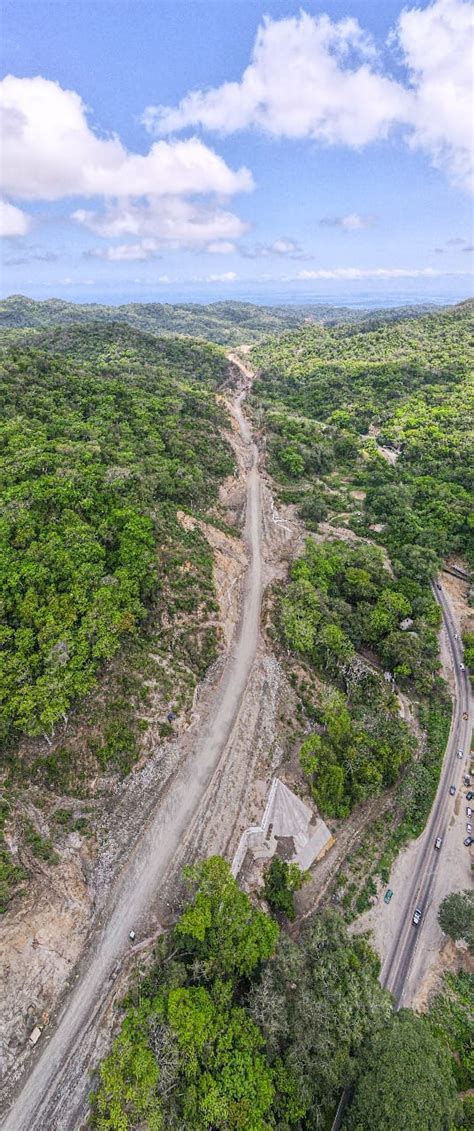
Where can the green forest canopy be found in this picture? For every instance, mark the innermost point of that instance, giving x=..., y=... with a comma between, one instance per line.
x=239, y=1028
x=321, y=390
x=92, y=449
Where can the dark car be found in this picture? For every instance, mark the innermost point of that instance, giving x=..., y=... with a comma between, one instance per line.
x=452, y=790
x=468, y=841
x=470, y=795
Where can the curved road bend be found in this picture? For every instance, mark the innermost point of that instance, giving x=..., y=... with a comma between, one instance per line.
x=398, y=962
x=37, y=1106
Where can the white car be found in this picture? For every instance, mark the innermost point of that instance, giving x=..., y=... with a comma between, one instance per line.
x=438, y=842
x=462, y=668
x=468, y=811
x=460, y=753
x=468, y=828
x=417, y=916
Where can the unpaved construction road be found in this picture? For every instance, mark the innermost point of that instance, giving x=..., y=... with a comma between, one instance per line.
x=407, y=959
x=52, y=1097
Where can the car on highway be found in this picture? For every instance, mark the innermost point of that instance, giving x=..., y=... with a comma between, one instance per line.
x=460, y=753
x=468, y=841
x=465, y=715
x=438, y=842
x=462, y=668
x=438, y=586
x=452, y=790
x=417, y=916
x=388, y=895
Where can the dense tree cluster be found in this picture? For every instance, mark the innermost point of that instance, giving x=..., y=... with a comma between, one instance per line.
x=90, y=452
x=456, y=916
x=238, y=1028
x=348, y=617
x=327, y=393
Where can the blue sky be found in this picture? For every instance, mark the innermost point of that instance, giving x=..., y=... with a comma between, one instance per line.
x=197, y=150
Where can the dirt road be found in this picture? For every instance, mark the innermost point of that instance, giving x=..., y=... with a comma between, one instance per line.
x=53, y=1094
x=408, y=957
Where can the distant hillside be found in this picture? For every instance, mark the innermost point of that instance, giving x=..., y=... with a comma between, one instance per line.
x=111, y=344
x=228, y=323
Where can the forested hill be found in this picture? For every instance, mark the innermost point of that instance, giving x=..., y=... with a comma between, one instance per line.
x=389, y=411
x=438, y=340
x=229, y=323
x=104, y=434
x=117, y=343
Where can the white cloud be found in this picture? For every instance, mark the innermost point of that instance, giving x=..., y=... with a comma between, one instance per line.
x=50, y=152
x=127, y=252
x=310, y=77
x=225, y=277
x=353, y=273
x=353, y=222
x=13, y=221
x=221, y=247
x=171, y=222
x=437, y=46
x=282, y=247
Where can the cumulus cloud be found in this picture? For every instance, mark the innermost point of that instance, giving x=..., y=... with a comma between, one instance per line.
x=13, y=221
x=221, y=247
x=125, y=252
x=283, y=247
x=436, y=44
x=169, y=222
x=308, y=77
x=51, y=152
x=353, y=222
x=225, y=277
x=311, y=77
x=353, y=273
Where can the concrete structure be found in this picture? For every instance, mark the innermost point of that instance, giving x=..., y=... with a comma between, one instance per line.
x=288, y=827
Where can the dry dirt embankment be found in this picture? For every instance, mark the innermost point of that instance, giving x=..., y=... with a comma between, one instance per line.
x=211, y=793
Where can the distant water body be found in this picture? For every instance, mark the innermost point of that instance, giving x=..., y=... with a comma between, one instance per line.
x=355, y=297
x=359, y=301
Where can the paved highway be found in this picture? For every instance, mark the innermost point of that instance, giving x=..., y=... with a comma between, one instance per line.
x=419, y=893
